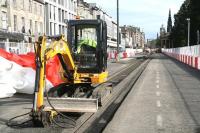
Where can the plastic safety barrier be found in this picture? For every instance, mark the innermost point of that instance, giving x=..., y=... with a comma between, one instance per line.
x=17, y=73
x=188, y=55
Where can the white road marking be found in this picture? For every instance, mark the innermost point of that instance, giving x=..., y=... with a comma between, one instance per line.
x=159, y=121
x=158, y=93
x=157, y=77
x=157, y=86
x=158, y=104
x=157, y=81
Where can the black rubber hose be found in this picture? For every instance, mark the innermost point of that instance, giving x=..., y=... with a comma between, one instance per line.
x=10, y=124
x=61, y=114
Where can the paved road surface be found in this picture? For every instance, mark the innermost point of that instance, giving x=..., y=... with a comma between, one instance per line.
x=166, y=99
x=21, y=103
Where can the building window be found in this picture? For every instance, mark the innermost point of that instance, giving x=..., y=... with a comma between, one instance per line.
x=62, y=2
x=23, y=21
x=23, y=25
x=50, y=11
x=70, y=5
x=15, y=22
x=41, y=28
x=51, y=25
x=54, y=29
x=66, y=4
x=31, y=26
x=30, y=6
x=36, y=27
x=63, y=16
x=75, y=8
x=23, y=7
x=2, y=46
x=60, y=30
x=40, y=9
x=4, y=20
x=14, y=3
x=35, y=7
x=59, y=15
x=63, y=29
x=54, y=13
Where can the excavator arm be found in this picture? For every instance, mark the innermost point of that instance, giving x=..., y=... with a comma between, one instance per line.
x=58, y=47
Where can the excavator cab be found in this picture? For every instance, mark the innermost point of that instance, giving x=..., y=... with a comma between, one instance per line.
x=88, y=42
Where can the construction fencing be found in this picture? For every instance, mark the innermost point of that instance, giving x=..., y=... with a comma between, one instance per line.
x=24, y=48
x=128, y=53
x=188, y=55
x=17, y=47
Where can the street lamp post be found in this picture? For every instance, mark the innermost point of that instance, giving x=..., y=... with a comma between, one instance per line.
x=117, y=30
x=188, y=20
x=198, y=39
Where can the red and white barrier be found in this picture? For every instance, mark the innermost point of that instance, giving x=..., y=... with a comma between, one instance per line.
x=17, y=73
x=128, y=53
x=188, y=55
x=113, y=55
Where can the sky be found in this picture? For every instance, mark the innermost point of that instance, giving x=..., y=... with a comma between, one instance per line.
x=149, y=15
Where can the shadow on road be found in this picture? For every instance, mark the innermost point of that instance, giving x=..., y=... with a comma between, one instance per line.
x=187, y=82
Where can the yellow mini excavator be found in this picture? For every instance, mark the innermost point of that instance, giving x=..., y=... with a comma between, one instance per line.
x=83, y=60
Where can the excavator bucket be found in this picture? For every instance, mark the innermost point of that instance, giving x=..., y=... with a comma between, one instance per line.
x=71, y=104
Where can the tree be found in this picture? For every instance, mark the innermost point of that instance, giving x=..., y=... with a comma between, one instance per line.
x=195, y=20
x=189, y=9
x=179, y=30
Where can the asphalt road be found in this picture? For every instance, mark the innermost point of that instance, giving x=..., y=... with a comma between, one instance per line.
x=22, y=103
x=165, y=99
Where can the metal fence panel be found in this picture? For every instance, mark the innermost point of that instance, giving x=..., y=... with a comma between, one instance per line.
x=17, y=47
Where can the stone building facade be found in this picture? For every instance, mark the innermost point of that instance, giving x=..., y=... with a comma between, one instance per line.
x=91, y=11
x=22, y=21
x=56, y=11
x=133, y=36
x=3, y=15
x=164, y=37
x=85, y=10
x=36, y=17
x=27, y=17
